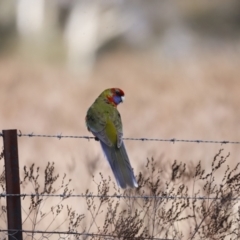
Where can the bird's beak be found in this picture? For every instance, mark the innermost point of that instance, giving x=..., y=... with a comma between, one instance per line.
x=122, y=98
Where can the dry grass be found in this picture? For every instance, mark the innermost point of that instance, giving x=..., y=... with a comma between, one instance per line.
x=168, y=204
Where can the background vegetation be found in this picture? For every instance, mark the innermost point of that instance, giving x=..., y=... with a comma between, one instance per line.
x=178, y=63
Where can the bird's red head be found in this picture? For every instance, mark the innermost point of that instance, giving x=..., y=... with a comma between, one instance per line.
x=114, y=95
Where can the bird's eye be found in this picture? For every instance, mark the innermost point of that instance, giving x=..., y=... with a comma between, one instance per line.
x=118, y=92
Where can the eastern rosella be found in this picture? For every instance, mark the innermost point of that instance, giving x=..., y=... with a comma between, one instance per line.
x=104, y=121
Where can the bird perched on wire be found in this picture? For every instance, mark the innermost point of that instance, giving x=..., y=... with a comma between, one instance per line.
x=104, y=121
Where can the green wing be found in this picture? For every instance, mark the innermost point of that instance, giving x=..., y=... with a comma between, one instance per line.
x=104, y=121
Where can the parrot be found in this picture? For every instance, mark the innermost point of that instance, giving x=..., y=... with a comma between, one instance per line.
x=104, y=121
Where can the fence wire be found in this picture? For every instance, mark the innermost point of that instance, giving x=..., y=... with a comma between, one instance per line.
x=172, y=140
x=146, y=197
x=46, y=234
x=65, y=234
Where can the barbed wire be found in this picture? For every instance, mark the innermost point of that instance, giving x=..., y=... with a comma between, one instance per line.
x=172, y=140
x=3, y=195
x=12, y=232
x=62, y=234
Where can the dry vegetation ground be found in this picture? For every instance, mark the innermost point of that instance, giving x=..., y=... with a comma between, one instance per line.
x=191, y=99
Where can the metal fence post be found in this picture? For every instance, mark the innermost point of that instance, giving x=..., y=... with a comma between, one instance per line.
x=14, y=215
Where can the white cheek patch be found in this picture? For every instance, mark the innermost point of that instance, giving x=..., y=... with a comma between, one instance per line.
x=122, y=98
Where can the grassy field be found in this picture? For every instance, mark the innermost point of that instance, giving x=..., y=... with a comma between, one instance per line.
x=187, y=99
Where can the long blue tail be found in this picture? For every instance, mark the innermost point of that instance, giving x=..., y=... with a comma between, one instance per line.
x=120, y=164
